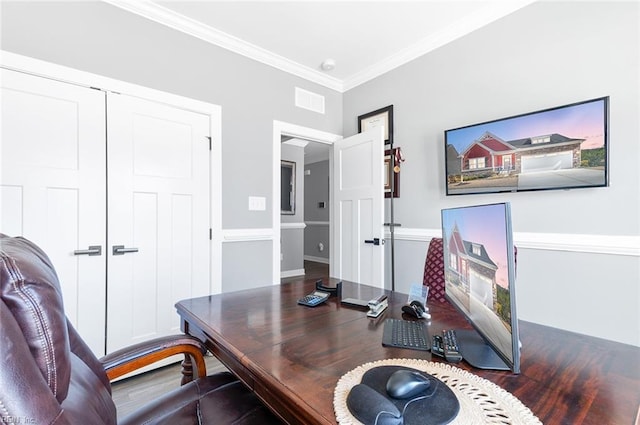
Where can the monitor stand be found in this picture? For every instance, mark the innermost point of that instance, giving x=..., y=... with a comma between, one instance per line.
x=477, y=352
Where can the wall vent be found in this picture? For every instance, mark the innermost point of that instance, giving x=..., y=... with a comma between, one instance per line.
x=309, y=100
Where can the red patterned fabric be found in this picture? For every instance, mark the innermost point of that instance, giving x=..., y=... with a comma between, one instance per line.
x=434, y=271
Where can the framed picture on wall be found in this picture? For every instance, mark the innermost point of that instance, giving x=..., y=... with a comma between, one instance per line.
x=287, y=187
x=380, y=117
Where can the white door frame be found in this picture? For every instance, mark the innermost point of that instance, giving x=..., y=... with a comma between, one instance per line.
x=286, y=129
x=41, y=68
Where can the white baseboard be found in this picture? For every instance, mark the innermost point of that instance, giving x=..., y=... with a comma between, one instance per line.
x=316, y=259
x=291, y=273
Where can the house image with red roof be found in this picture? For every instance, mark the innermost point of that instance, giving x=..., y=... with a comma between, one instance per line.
x=474, y=270
x=489, y=153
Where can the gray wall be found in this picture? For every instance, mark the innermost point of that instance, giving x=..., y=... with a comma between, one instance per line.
x=99, y=38
x=317, y=219
x=545, y=55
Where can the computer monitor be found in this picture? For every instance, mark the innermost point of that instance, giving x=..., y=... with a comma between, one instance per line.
x=479, y=269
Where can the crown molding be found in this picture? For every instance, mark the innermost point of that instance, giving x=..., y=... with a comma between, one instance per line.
x=466, y=25
x=167, y=17
x=458, y=29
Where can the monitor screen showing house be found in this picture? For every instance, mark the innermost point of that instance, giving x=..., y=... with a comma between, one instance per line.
x=479, y=269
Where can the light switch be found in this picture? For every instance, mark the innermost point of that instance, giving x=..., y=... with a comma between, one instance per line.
x=257, y=203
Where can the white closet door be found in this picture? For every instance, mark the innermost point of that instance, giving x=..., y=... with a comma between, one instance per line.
x=158, y=209
x=52, y=187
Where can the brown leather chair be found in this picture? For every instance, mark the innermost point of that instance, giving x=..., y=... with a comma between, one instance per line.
x=48, y=375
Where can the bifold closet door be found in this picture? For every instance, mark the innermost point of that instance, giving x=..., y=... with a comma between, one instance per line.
x=158, y=216
x=52, y=187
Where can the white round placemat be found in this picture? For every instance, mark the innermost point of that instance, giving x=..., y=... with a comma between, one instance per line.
x=481, y=401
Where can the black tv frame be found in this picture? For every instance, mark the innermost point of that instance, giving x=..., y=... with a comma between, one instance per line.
x=483, y=158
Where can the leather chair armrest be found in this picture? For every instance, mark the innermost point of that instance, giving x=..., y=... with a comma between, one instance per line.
x=134, y=357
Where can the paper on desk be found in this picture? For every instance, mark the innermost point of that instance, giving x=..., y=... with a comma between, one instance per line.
x=418, y=292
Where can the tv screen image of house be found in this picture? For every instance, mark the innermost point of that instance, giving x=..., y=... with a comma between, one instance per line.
x=564, y=147
x=479, y=268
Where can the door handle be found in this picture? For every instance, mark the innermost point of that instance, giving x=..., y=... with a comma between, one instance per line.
x=121, y=250
x=375, y=241
x=91, y=251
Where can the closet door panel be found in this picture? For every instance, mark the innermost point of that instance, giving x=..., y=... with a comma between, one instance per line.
x=52, y=186
x=158, y=205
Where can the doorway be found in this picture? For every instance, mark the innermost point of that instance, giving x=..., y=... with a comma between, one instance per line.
x=305, y=207
x=310, y=137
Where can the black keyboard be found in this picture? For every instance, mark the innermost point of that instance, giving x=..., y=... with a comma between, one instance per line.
x=406, y=334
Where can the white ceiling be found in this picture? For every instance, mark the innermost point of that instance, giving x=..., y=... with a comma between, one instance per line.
x=364, y=38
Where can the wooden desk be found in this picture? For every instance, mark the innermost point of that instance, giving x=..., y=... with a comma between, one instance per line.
x=292, y=356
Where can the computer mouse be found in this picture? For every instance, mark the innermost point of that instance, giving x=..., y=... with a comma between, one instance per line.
x=406, y=383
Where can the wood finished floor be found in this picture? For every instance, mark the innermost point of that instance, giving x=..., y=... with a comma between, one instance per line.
x=134, y=392
x=312, y=270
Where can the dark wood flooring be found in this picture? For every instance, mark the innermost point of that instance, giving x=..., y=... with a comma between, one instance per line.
x=312, y=270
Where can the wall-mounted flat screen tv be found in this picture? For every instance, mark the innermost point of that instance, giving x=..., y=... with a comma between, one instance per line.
x=564, y=147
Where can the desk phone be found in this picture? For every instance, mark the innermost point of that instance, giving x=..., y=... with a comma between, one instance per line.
x=314, y=299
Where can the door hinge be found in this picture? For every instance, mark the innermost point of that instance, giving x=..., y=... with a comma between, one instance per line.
x=210, y=142
x=210, y=234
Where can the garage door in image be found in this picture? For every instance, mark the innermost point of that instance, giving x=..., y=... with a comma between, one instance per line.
x=547, y=162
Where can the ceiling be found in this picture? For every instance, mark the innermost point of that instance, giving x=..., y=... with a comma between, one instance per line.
x=364, y=38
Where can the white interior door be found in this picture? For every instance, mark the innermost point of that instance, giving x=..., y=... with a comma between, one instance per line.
x=52, y=187
x=358, y=193
x=158, y=209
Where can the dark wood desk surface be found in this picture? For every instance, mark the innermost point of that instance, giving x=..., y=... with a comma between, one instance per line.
x=292, y=356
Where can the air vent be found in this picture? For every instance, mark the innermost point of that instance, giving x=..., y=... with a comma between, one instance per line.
x=309, y=100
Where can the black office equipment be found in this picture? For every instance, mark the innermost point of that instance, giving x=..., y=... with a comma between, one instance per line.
x=406, y=334
x=314, y=299
x=355, y=302
x=405, y=383
x=450, y=346
x=370, y=402
x=480, y=282
x=337, y=290
x=416, y=309
x=377, y=306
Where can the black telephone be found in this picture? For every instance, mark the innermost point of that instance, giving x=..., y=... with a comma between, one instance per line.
x=416, y=309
